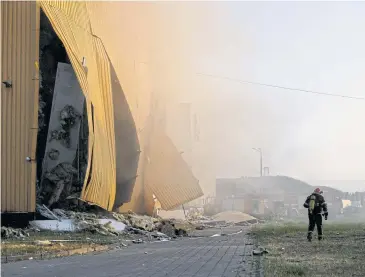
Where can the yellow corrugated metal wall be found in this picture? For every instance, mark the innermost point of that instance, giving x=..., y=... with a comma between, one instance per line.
x=105, y=34
x=100, y=182
x=19, y=104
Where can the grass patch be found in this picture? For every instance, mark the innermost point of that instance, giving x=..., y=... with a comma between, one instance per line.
x=290, y=254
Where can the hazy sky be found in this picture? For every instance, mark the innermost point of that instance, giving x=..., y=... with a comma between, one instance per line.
x=307, y=45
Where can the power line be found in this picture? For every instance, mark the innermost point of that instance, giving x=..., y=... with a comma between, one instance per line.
x=280, y=87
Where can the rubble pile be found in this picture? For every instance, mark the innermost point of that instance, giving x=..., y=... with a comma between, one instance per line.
x=171, y=228
x=110, y=224
x=8, y=233
x=142, y=222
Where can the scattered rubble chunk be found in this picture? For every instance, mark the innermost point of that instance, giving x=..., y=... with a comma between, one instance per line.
x=120, y=217
x=137, y=241
x=108, y=224
x=171, y=229
x=47, y=213
x=8, y=232
x=260, y=251
x=141, y=222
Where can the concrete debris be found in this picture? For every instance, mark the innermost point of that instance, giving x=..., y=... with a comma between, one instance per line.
x=102, y=226
x=64, y=225
x=47, y=213
x=141, y=222
x=112, y=223
x=163, y=240
x=95, y=227
x=171, y=228
x=260, y=251
x=196, y=214
x=120, y=217
x=70, y=221
x=77, y=221
x=63, y=214
x=115, y=224
x=137, y=241
x=8, y=232
x=159, y=234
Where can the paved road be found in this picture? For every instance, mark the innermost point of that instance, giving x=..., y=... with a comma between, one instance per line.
x=228, y=256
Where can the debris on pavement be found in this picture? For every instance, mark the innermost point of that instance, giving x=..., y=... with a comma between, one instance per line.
x=259, y=251
x=223, y=234
x=139, y=228
x=111, y=224
x=142, y=222
x=8, y=232
x=137, y=241
x=168, y=228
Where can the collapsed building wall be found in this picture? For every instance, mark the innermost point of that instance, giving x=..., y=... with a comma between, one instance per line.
x=90, y=34
x=57, y=182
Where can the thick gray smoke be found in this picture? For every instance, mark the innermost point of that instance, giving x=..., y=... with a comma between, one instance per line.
x=312, y=46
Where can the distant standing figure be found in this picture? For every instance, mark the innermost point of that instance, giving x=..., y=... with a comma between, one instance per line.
x=316, y=204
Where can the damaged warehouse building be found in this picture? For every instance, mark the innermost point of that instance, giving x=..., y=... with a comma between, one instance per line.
x=77, y=126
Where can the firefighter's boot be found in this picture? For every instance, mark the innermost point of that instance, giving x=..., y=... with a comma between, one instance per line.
x=309, y=236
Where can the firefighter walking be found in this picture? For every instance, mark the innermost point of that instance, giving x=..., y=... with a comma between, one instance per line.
x=316, y=205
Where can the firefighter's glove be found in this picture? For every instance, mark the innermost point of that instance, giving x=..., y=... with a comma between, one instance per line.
x=325, y=216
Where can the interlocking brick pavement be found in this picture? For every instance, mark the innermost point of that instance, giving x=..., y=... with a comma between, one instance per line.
x=227, y=256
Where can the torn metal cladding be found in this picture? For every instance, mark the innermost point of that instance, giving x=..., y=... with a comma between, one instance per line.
x=117, y=172
x=124, y=180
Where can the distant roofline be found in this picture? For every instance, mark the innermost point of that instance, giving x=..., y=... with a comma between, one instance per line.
x=336, y=181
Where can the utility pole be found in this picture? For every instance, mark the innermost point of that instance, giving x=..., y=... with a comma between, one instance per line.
x=260, y=151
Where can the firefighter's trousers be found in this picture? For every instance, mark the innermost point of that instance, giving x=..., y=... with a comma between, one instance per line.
x=315, y=220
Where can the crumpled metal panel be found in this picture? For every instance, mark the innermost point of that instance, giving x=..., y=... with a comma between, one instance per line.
x=117, y=172
x=167, y=175
x=95, y=80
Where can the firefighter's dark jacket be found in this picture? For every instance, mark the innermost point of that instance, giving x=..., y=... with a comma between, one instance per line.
x=321, y=205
